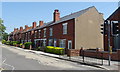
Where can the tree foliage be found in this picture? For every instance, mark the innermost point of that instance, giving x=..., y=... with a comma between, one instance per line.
x=3, y=34
x=2, y=27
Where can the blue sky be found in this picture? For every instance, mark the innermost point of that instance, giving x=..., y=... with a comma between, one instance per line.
x=16, y=14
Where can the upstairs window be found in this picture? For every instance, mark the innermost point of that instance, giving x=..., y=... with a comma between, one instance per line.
x=64, y=28
x=28, y=35
x=51, y=31
x=35, y=34
x=45, y=32
x=39, y=33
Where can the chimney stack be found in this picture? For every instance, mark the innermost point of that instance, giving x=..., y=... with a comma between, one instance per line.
x=34, y=25
x=26, y=27
x=41, y=23
x=15, y=29
x=56, y=15
x=21, y=28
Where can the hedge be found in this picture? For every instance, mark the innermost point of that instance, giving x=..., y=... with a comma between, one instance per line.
x=21, y=44
x=3, y=41
x=7, y=43
x=27, y=44
x=14, y=42
x=38, y=48
x=55, y=50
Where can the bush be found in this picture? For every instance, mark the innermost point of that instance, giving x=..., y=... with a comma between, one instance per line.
x=21, y=44
x=27, y=44
x=14, y=42
x=37, y=49
x=55, y=50
x=49, y=49
x=3, y=41
x=58, y=50
x=7, y=42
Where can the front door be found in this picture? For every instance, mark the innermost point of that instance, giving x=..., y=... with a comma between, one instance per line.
x=69, y=44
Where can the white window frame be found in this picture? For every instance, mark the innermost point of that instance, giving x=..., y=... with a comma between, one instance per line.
x=39, y=33
x=61, y=43
x=44, y=32
x=55, y=42
x=35, y=36
x=29, y=35
x=26, y=35
x=65, y=27
x=44, y=42
x=50, y=42
x=51, y=31
x=69, y=41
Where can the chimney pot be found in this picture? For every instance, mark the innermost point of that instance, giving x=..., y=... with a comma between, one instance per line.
x=15, y=29
x=34, y=25
x=21, y=28
x=41, y=23
x=26, y=27
x=56, y=15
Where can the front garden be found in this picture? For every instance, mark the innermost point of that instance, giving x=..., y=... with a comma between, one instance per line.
x=28, y=45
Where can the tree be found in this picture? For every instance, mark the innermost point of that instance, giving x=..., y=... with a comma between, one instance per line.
x=5, y=36
x=2, y=29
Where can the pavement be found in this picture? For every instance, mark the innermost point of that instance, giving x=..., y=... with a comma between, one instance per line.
x=89, y=63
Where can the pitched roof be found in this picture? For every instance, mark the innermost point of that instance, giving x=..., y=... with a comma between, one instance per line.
x=115, y=15
x=65, y=18
x=73, y=15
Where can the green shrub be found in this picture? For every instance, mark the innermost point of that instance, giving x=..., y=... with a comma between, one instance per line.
x=58, y=50
x=49, y=49
x=8, y=42
x=21, y=44
x=3, y=41
x=38, y=48
x=27, y=44
x=14, y=42
x=55, y=50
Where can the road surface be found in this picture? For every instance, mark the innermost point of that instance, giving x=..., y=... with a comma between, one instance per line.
x=14, y=59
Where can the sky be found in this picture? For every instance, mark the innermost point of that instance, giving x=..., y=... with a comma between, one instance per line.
x=16, y=14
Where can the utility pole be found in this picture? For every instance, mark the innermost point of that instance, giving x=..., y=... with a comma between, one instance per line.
x=108, y=23
x=109, y=48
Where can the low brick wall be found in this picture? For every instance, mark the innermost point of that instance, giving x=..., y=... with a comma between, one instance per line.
x=94, y=53
x=73, y=52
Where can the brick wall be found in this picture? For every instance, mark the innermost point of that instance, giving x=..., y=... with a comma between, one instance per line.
x=96, y=54
x=73, y=52
x=58, y=33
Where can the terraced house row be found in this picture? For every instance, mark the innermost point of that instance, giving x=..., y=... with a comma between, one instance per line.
x=73, y=31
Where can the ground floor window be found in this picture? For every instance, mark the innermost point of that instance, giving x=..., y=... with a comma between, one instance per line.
x=50, y=42
x=22, y=41
x=29, y=40
x=44, y=42
x=62, y=43
x=55, y=42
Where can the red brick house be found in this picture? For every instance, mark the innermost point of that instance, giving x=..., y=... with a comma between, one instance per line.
x=76, y=30
x=115, y=40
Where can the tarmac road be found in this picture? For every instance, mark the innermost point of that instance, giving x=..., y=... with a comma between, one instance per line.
x=14, y=59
